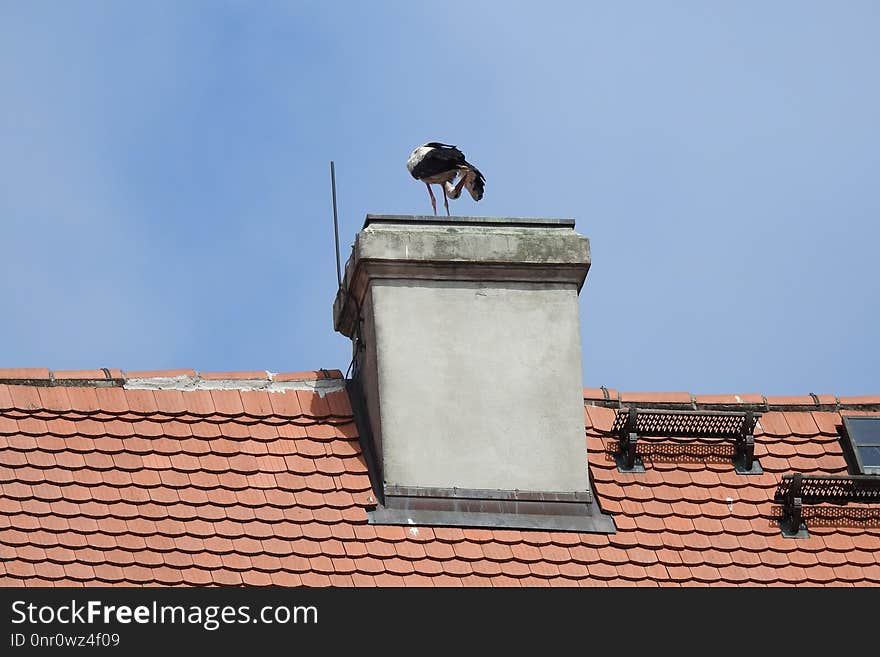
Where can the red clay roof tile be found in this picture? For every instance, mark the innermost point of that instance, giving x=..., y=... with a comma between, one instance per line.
x=860, y=400
x=338, y=403
x=498, y=552
x=526, y=553
x=602, y=570
x=642, y=556
x=726, y=400
x=774, y=424
x=55, y=398
x=468, y=551
x=286, y=404
x=600, y=417
x=167, y=374
x=655, y=397
x=313, y=403
x=235, y=376
x=312, y=375
x=872, y=573
x=544, y=569
x=486, y=568
x=555, y=554
x=25, y=398
x=6, y=402
x=141, y=402
x=801, y=424
x=514, y=568
x=256, y=403
x=600, y=394
x=795, y=400
x=25, y=374
x=227, y=402
x=86, y=375
x=171, y=402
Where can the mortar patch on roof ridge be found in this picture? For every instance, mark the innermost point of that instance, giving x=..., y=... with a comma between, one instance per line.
x=190, y=383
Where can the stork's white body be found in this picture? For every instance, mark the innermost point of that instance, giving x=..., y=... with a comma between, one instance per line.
x=416, y=157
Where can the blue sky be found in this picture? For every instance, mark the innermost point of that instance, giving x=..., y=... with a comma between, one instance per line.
x=164, y=184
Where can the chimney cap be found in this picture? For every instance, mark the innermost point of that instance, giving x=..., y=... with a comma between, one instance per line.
x=496, y=249
x=540, y=222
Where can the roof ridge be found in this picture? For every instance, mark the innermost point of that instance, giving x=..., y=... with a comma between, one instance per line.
x=611, y=398
x=182, y=379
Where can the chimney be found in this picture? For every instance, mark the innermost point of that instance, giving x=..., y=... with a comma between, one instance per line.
x=467, y=370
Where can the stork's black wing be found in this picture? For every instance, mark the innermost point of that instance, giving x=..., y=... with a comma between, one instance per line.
x=440, y=158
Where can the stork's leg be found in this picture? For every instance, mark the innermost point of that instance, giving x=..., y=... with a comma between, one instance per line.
x=433, y=200
x=445, y=199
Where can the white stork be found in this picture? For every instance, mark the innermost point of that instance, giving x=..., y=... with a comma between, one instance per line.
x=438, y=164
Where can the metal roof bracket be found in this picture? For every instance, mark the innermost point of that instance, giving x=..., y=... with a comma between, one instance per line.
x=744, y=461
x=792, y=523
x=626, y=457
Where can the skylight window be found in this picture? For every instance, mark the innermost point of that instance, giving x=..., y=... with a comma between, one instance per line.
x=863, y=434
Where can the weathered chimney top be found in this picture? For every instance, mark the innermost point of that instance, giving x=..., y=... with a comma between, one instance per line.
x=510, y=249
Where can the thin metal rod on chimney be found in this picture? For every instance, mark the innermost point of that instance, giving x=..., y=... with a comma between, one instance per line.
x=335, y=224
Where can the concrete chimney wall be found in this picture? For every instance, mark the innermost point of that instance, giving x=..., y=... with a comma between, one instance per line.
x=470, y=363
